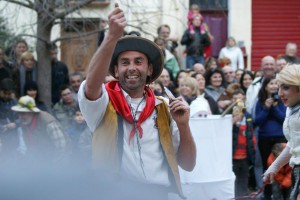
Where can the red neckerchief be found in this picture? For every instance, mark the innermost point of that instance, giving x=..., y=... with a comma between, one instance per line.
x=121, y=106
x=29, y=130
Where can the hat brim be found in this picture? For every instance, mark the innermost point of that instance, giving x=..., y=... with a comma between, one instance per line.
x=142, y=45
x=19, y=108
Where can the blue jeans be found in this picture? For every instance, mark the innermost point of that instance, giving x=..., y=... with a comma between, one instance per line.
x=191, y=60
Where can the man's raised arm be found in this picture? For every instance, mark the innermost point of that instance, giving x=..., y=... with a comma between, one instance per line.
x=99, y=64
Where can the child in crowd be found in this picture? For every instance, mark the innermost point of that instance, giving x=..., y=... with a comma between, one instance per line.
x=281, y=188
x=194, y=11
x=80, y=138
x=243, y=143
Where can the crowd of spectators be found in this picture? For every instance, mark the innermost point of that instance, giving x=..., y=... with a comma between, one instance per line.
x=19, y=72
x=209, y=85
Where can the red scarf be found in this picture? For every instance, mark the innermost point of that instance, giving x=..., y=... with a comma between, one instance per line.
x=121, y=106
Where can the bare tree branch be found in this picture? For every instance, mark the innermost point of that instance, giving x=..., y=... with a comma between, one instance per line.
x=71, y=9
x=75, y=36
x=33, y=36
x=20, y=3
x=84, y=34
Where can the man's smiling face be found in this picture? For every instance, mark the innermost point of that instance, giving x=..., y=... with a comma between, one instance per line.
x=132, y=70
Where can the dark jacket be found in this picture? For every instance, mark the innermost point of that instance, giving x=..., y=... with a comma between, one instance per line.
x=291, y=60
x=60, y=76
x=212, y=104
x=195, y=42
x=5, y=71
x=6, y=114
x=21, y=75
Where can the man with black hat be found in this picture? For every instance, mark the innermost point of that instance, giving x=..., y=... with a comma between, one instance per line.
x=136, y=134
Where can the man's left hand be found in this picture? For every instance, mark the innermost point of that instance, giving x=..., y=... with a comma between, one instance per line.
x=180, y=110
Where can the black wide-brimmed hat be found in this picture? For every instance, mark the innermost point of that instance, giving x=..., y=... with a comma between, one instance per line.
x=142, y=45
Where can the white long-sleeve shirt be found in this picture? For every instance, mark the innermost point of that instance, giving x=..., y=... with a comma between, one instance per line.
x=291, y=130
x=235, y=55
x=155, y=167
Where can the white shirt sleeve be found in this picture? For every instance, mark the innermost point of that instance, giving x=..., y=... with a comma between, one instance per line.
x=175, y=135
x=240, y=59
x=221, y=53
x=92, y=111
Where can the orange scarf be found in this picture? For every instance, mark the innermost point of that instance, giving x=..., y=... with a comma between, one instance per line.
x=121, y=106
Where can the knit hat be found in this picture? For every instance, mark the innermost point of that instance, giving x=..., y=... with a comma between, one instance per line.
x=26, y=104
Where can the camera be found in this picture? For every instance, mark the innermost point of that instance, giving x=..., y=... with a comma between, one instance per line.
x=275, y=96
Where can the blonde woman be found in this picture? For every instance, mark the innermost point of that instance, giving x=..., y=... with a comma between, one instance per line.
x=289, y=92
x=188, y=89
x=27, y=71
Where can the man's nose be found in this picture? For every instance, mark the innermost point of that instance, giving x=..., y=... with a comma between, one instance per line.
x=131, y=68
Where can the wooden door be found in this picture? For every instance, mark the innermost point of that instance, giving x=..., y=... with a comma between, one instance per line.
x=80, y=44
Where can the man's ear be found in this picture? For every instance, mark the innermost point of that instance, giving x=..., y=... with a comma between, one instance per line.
x=116, y=71
x=150, y=70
